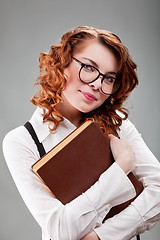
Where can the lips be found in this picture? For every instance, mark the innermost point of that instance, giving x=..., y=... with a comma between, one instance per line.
x=89, y=96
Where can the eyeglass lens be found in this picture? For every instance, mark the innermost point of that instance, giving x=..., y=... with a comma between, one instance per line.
x=89, y=74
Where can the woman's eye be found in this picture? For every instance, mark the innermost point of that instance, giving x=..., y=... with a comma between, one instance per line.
x=109, y=80
x=89, y=68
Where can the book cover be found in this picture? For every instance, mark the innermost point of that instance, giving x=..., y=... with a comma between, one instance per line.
x=76, y=163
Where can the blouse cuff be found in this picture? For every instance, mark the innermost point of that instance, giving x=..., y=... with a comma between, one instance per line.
x=112, y=188
x=125, y=225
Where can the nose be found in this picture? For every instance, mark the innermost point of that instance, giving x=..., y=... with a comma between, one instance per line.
x=96, y=84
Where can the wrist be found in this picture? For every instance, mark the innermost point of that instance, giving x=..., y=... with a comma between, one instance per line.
x=123, y=167
x=91, y=236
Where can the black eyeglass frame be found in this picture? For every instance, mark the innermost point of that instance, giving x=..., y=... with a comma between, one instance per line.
x=100, y=74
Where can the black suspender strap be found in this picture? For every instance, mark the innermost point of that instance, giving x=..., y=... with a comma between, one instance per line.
x=31, y=130
x=40, y=147
x=138, y=237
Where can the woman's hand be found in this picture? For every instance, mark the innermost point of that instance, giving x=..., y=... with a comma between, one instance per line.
x=123, y=153
x=91, y=236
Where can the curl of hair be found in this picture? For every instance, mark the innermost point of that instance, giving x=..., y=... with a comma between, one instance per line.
x=52, y=79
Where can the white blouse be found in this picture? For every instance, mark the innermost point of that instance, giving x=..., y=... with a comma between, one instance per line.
x=85, y=213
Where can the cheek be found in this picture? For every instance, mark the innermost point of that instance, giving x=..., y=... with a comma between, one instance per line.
x=71, y=77
x=104, y=98
x=72, y=81
x=67, y=73
x=70, y=72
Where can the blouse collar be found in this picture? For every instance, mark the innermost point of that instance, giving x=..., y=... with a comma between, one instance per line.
x=42, y=129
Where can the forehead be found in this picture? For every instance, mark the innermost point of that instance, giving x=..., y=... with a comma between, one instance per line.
x=99, y=53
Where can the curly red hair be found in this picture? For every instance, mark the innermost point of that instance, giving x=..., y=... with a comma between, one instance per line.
x=52, y=79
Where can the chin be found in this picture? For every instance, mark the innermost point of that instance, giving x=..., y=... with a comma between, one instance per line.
x=86, y=110
x=83, y=109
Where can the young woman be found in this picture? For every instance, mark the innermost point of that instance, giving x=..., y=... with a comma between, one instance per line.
x=88, y=74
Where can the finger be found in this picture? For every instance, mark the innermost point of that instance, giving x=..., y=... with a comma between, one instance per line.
x=110, y=136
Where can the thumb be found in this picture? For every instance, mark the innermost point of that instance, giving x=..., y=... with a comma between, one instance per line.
x=114, y=142
x=111, y=137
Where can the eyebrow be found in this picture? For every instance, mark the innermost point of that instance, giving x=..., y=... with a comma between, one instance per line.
x=96, y=65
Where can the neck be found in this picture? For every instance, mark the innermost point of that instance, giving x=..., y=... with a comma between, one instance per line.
x=69, y=112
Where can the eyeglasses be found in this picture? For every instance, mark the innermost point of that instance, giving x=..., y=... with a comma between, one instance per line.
x=89, y=74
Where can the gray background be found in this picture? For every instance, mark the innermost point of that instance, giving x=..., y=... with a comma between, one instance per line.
x=30, y=27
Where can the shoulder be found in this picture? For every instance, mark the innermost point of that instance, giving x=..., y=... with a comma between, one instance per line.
x=19, y=148
x=17, y=135
x=18, y=142
x=128, y=130
x=20, y=154
x=21, y=138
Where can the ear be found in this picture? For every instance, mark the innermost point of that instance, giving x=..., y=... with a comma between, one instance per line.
x=66, y=73
x=65, y=76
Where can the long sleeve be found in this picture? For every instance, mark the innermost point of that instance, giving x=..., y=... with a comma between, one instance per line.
x=144, y=211
x=58, y=221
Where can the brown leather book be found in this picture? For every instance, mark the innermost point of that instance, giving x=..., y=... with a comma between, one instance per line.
x=77, y=162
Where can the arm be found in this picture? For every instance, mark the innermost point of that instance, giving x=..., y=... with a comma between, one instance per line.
x=144, y=212
x=58, y=221
x=91, y=236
